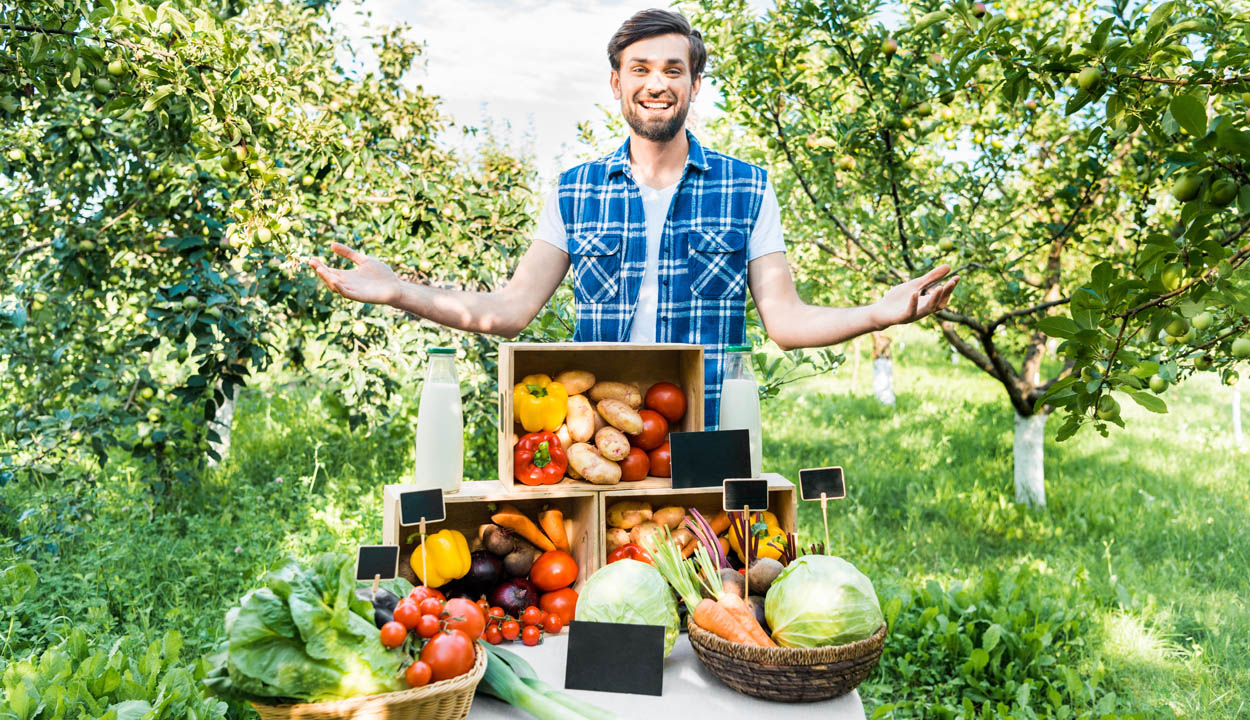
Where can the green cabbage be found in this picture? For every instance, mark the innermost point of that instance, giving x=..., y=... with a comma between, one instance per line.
x=631, y=592
x=820, y=600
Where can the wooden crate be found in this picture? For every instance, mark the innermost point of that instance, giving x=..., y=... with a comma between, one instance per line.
x=782, y=501
x=623, y=362
x=470, y=508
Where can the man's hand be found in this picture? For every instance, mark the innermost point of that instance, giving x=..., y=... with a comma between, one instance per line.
x=914, y=299
x=371, y=281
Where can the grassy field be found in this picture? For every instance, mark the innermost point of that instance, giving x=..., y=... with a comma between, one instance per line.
x=1127, y=595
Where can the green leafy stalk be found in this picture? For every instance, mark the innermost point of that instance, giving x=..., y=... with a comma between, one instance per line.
x=511, y=679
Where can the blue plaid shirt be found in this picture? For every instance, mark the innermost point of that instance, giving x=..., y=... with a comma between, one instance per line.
x=703, y=254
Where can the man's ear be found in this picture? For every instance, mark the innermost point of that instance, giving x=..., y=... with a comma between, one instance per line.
x=694, y=86
x=615, y=81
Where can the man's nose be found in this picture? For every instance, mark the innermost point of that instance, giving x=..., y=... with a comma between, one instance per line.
x=656, y=83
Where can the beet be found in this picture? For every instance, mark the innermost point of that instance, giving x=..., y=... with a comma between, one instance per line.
x=514, y=596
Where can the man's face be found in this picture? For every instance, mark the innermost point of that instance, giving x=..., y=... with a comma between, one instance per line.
x=655, y=87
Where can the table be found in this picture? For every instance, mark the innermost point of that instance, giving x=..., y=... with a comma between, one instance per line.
x=690, y=690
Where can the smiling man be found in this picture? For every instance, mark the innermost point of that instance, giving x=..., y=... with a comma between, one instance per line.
x=664, y=235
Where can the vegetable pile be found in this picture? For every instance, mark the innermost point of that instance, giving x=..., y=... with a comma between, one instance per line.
x=630, y=522
x=602, y=432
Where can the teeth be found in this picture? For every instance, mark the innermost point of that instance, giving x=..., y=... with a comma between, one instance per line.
x=655, y=106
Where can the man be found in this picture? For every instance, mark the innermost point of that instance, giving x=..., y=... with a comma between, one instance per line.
x=664, y=236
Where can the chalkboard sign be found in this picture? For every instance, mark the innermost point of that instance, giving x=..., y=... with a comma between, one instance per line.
x=377, y=561
x=705, y=459
x=828, y=480
x=417, y=504
x=615, y=657
x=745, y=494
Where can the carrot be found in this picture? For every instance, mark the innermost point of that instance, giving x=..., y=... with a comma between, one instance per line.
x=720, y=523
x=735, y=606
x=511, y=518
x=713, y=617
x=688, y=550
x=553, y=524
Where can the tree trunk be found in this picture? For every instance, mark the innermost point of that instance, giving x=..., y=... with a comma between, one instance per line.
x=1029, y=447
x=220, y=424
x=882, y=369
x=1238, y=439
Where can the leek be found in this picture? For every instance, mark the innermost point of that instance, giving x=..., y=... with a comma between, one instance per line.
x=512, y=680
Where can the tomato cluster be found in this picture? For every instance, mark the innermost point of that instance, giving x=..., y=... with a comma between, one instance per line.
x=440, y=632
x=529, y=627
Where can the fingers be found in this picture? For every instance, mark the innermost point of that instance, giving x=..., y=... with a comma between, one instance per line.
x=343, y=251
x=912, y=305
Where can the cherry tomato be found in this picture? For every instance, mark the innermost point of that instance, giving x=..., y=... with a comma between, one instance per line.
x=635, y=466
x=393, y=634
x=661, y=460
x=511, y=629
x=428, y=625
x=493, y=635
x=422, y=592
x=553, y=570
x=407, y=614
x=485, y=607
x=667, y=399
x=561, y=602
x=417, y=674
x=654, y=430
x=497, y=614
x=552, y=623
x=431, y=606
x=449, y=654
x=531, y=635
x=465, y=615
x=532, y=616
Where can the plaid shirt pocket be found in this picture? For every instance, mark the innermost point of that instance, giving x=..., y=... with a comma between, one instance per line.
x=717, y=263
x=598, y=263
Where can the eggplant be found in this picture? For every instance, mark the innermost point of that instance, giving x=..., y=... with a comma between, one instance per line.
x=514, y=595
x=383, y=598
x=382, y=616
x=485, y=572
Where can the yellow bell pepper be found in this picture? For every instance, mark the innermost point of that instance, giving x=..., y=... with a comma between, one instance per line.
x=540, y=403
x=771, y=543
x=447, y=553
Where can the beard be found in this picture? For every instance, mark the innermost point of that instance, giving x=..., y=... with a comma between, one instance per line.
x=655, y=129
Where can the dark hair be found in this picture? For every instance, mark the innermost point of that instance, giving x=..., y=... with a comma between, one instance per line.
x=650, y=23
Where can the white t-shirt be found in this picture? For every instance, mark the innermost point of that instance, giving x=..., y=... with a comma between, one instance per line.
x=765, y=238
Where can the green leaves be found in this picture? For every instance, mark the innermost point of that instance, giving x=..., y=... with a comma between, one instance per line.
x=1190, y=113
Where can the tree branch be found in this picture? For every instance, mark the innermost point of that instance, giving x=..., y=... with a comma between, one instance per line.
x=1028, y=311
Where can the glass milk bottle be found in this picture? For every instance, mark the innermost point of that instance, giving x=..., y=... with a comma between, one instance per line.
x=440, y=425
x=740, y=401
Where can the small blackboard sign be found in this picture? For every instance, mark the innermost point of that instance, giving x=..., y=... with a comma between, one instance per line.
x=705, y=459
x=828, y=480
x=745, y=494
x=615, y=657
x=417, y=504
x=377, y=561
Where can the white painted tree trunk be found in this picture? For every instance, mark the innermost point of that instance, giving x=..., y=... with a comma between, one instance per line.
x=1238, y=438
x=220, y=424
x=883, y=380
x=1029, y=450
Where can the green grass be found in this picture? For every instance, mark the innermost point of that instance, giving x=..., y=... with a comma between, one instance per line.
x=1127, y=594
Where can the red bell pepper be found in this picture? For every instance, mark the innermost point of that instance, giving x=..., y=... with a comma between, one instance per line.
x=539, y=459
x=630, y=551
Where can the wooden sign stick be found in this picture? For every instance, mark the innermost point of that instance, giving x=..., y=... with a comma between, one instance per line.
x=746, y=554
x=376, y=579
x=824, y=511
x=425, y=569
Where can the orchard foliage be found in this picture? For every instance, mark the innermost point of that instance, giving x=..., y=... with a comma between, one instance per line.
x=1082, y=166
x=166, y=170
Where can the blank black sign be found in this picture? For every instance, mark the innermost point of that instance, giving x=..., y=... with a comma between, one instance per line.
x=615, y=657
x=705, y=459
x=380, y=561
x=814, y=481
x=417, y=504
x=743, y=495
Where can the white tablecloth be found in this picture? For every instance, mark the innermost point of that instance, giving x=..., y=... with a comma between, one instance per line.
x=689, y=691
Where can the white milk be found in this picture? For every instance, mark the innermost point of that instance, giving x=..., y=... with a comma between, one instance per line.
x=440, y=438
x=740, y=410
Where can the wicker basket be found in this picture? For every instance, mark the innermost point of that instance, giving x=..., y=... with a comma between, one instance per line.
x=788, y=674
x=443, y=700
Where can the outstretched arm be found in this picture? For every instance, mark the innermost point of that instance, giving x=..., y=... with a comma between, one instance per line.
x=792, y=323
x=503, y=312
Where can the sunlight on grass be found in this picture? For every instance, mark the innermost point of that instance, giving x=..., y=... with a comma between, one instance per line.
x=1127, y=639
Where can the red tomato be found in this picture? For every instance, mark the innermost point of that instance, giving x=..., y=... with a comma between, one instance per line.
x=393, y=634
x=630, y=551
x=431, y=606
x=417, y=674
x=561, y=602
x=667, y=399
x=661, y=461
x=531, y=635
x=463, y=614
x=553, y=570
x=485, y=607
x=428, y=625
x=635, y=466
x=511, y=629
x=552, y=623
x=422, y=592
x=654, y=430
x=449, y=654
x=407, y=614
x=532, y=616
x=492, y=635
x=497, y=614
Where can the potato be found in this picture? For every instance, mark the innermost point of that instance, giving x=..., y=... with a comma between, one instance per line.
x=628, y=514
x=612, y=444
x=682, y=537
x=642, y=531
x=616, y=537
x=587, y=461
x=576, y=382
x=571, y=472
x=562, y=434
x=600, y=423
x=672, y=516
x=620, y=416
x=763, y=572
x=580, y=419
x=732, y=582
x=622, y=392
